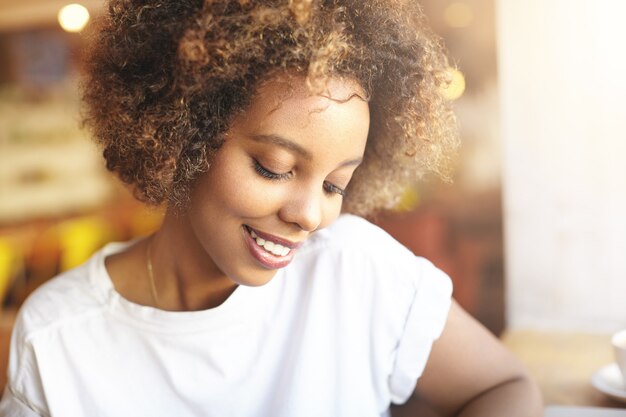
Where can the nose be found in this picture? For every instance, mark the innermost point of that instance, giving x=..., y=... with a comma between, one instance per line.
x=304, y=208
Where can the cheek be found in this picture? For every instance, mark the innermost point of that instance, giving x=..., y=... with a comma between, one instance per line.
x=235, y=190
x=331, y=211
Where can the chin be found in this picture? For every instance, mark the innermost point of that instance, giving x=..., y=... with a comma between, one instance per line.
x=255, y=278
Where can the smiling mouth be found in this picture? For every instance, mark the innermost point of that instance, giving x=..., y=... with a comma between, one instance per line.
x=269, y=246
x=271, y=252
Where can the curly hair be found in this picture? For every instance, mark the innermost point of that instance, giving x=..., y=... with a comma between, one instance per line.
x=164, y=80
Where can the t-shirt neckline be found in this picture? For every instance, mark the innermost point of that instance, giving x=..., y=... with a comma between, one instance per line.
x=239, y=307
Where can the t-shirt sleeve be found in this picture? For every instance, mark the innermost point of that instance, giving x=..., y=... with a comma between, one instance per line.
x=408, y=296
x=23, y=395
x=12, y=406
x=424, y=323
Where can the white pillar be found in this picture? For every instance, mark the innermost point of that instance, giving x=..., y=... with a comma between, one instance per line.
x=562, y=66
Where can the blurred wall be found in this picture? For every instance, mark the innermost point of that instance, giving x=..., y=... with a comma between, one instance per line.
x=563, y=115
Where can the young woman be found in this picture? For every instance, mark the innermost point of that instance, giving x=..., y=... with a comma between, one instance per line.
x=258, y=123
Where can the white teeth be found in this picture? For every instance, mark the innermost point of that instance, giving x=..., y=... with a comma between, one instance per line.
x=269, y=246
x=273, y=248
x=278, y=250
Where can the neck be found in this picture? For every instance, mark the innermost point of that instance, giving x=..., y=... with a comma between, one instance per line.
x=185, y=277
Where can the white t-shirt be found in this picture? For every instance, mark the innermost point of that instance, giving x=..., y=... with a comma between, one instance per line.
x=342, y=331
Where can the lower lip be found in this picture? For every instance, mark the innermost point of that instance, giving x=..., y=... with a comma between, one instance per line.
x=266, y=259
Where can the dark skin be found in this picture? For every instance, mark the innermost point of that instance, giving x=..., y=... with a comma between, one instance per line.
x=129, y=273
x=308, y=149
x=282, y=170
x=469, y=390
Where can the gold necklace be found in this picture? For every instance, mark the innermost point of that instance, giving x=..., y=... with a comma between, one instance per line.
x=153, y=290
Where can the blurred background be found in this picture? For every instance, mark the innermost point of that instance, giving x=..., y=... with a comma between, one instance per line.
x=58, y=204
x=532, y=230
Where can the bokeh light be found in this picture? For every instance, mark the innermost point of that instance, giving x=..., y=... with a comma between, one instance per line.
x=456, y=87
x=408, y=201
x=73, y=17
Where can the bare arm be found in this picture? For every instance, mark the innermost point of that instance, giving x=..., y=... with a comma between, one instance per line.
x=469, y=373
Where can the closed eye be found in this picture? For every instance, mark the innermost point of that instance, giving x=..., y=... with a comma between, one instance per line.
x=270, y=175
x=333, y=189
x=329, y=188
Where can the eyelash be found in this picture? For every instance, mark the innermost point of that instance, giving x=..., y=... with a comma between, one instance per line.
x=266, y=173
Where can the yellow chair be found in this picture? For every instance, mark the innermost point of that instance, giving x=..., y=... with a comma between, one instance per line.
x=80, y=238
x=10, y=258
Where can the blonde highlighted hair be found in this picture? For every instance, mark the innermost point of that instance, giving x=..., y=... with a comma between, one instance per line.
x=164, y=80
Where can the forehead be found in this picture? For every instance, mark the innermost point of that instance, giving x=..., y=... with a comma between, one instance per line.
x=285, y=104
x=288, y=87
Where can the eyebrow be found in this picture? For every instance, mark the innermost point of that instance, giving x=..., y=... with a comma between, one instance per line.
x=293, y=146
x=284, y=143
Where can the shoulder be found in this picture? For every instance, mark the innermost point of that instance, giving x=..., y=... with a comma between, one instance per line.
x=55, y=299
x=351, y=228
x=361, y=264
x=50, y=305
x=62, y=300
x=353, y=234
x=407, y=297
x=71, y=295
x=354, y=240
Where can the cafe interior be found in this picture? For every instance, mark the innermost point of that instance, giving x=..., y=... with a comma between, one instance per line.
x=532, y=229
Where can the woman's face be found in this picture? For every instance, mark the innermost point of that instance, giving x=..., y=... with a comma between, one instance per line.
x=279, y=176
